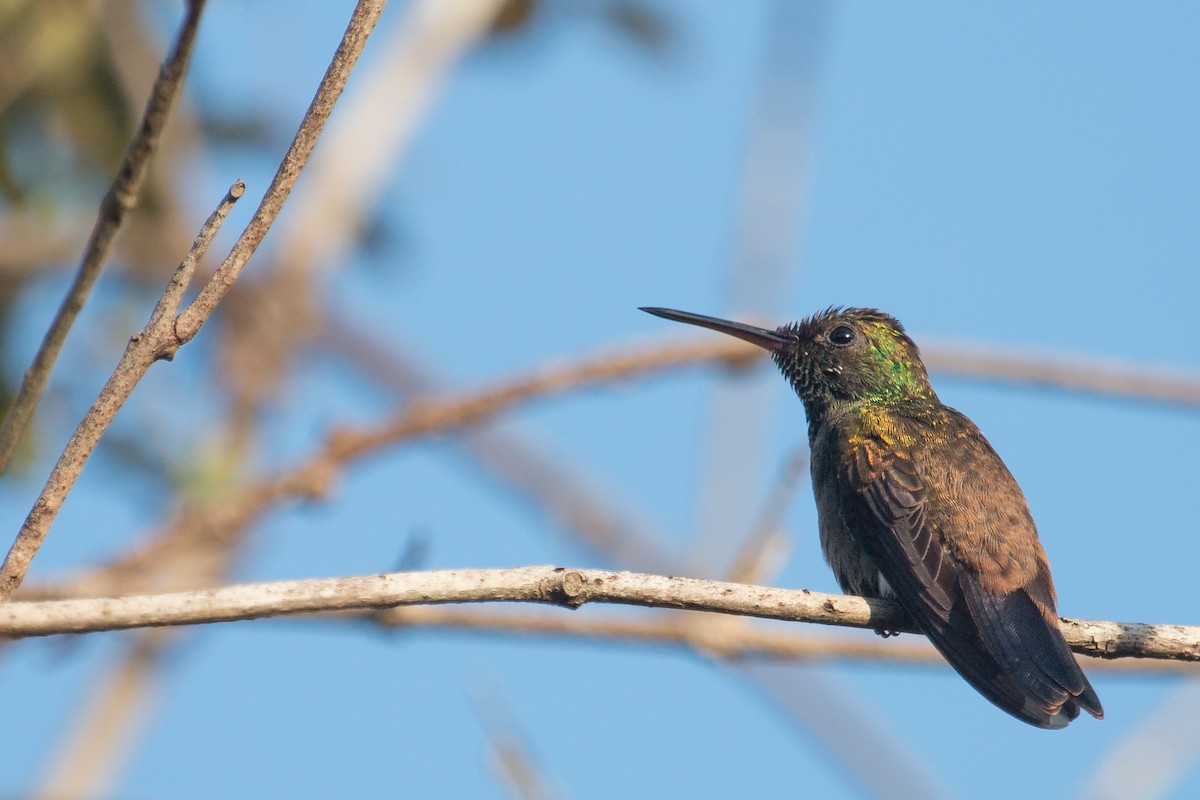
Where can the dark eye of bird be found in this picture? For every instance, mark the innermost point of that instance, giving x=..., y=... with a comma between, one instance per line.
x=841, y=335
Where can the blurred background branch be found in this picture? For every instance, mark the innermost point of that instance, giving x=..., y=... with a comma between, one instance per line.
x=119, y=200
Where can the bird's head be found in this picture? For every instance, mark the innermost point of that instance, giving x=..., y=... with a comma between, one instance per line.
x=837, y=355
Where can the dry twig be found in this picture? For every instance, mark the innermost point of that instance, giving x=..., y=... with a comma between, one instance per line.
x=87, y=760
x=743, y=642
x=166, y=332
x=443, y=414
x=1074, y=373
x=121, y=197
x=313, y=477
x=510, y=754
x=158, y=340
x=553, y=585
x=591, y=516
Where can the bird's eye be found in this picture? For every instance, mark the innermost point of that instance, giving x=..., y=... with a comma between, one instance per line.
x=841, y=335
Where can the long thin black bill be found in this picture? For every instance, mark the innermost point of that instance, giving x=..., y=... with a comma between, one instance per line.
x=768, y=340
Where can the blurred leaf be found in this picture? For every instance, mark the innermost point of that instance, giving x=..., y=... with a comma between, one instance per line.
x=640, y=23
x=62, y=109
x=513, y=15
x=246, y=129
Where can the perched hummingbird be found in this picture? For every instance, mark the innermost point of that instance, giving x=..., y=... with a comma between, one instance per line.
x=913, y=504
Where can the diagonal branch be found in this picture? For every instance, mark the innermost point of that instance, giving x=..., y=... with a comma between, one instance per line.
x=86, y=762
x=539, y=584
x=362, y=22
x=587, y=514
x=453, y=412
x=166, y=333
x=121, y=197
x=157, y=340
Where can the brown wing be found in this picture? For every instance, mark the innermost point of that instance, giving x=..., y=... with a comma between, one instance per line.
x=1002, y=642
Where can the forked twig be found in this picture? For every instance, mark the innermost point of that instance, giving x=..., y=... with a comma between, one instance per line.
x=166, y=332
x=156, y=341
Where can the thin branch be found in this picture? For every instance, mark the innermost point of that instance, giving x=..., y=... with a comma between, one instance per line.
x=510, y=753
x=157, y=340
x=1071, y=373
x=443, y=414
x=106, y=729
x=121, y=197
x=745, y=642
x=765, y=545
x=552, y=585
x=374, y=129
x=447, y=413
x=166, y=333
x=589, y=515
x=313, y=478
x=362, y=22
x=272, y=321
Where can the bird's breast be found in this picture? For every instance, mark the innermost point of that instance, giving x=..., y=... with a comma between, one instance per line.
x=855, y=571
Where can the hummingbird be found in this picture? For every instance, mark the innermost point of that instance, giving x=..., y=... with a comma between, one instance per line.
x=914, y=505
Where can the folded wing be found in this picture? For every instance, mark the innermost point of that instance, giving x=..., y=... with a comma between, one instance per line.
x=1006, y=644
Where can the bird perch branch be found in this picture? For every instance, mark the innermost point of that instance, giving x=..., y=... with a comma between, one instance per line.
x=570, y=588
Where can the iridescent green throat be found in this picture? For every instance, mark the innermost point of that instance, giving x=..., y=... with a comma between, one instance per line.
x=895, y=372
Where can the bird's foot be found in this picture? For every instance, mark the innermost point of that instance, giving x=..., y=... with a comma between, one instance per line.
x=886, y=633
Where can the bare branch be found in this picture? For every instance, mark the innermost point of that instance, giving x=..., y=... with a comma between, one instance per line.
x=362, y=22
x=445, y=413
x=765, y=546
x=542, y=584
x=441, y=414
x=121, y=197
x=374, y=129
x=448, y=413
x=107, y=726
x=1072, y=373
x=166, y=333
x=589, y=515
x=750, y=641
x=510, y=754
x=157, y=340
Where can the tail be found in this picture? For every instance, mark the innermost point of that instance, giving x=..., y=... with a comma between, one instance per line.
x=1019, y=660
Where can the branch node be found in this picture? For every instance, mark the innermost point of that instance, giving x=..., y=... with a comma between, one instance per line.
x=320, y=482
x=741, y=361
x=569, y=589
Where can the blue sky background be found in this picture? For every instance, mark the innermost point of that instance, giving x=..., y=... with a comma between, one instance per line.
x=1021, y=175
